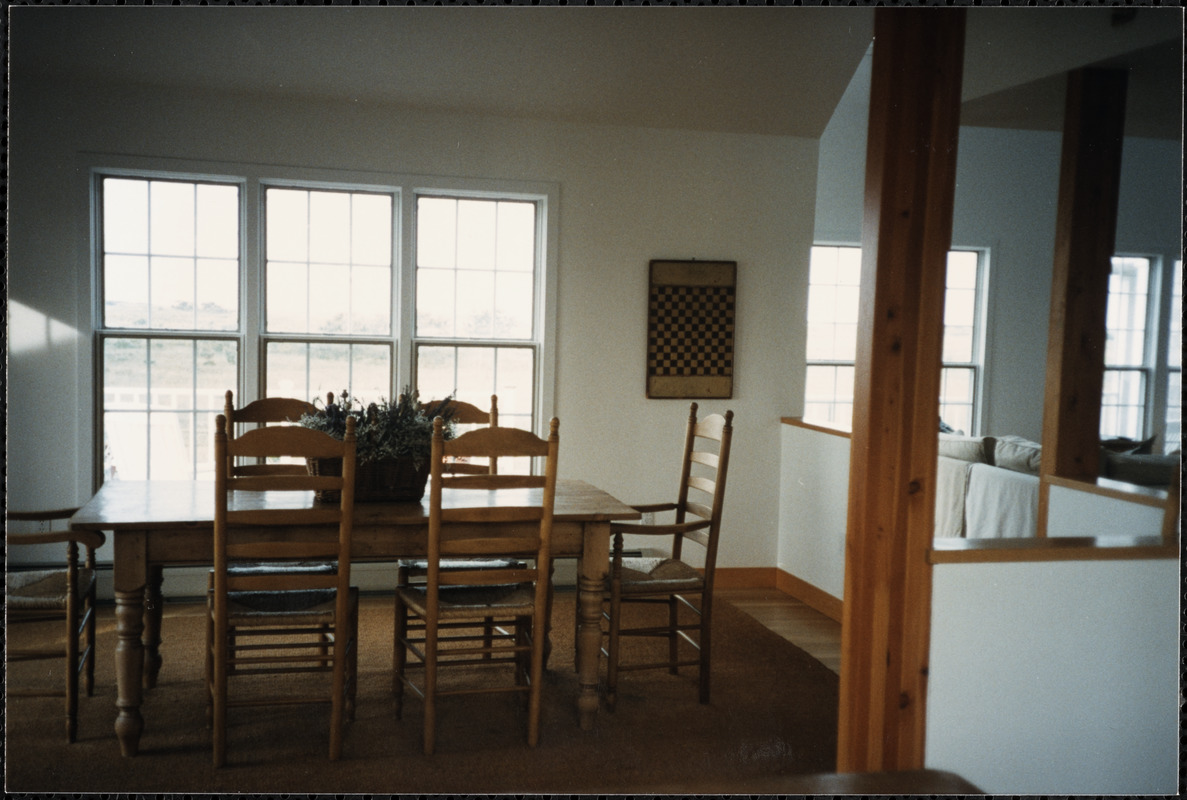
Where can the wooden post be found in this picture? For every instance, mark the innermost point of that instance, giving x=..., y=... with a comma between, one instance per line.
x=1085, y=232
x=910, y=183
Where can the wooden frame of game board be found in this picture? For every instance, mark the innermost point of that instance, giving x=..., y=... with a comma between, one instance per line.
x=691, y=315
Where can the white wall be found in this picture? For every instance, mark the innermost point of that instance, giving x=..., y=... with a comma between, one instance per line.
x=1044, y=677
x=1056, y=678
x=626, y=196
x=814, y=492
x=1007, y=185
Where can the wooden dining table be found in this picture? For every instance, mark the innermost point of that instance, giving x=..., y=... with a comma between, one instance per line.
x=157, y=524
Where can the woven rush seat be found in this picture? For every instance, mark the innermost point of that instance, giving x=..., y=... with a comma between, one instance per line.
x=43, y=590
x=666, y=573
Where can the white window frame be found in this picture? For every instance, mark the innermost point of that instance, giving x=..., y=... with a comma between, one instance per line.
x=251, y=337
x=977, y=365
x=1154, y=367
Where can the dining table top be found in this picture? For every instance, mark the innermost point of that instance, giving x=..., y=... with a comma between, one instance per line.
x=145, y=505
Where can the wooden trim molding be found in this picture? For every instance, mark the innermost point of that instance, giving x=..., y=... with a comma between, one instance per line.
x=1052, y=548
x=811, y=596
x=798, y=422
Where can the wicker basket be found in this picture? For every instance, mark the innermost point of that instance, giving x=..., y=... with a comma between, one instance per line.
x=393, y=481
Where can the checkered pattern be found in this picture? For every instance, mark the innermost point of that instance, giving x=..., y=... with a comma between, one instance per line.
x=690, y=331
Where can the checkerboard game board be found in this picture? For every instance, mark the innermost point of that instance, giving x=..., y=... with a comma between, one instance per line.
x=690, y=329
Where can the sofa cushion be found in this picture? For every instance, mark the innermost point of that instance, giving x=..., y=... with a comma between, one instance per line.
x=1017, y=453
x=1144, y=470
x=978, y=449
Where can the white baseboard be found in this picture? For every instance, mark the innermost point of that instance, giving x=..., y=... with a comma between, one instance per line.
x=190, y=582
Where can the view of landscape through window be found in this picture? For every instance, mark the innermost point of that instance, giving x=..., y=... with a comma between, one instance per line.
x=833, y=294
x=175, y=333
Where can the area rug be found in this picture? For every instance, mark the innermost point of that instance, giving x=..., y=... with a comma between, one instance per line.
x=773, y=712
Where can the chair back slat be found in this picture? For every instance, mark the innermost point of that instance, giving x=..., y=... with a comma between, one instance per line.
x=464, y=413
x=266, y=410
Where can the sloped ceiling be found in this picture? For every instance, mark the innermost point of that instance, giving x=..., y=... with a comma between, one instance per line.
x=776, y=71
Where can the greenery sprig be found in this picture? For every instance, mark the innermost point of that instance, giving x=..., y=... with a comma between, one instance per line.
x=384, y=430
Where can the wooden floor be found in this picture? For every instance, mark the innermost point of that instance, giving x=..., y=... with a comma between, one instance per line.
x=808, y=629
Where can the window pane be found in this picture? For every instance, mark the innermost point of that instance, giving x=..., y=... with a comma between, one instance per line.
x=217, y=295
x=1126, y=312
x=370, y=229
x=489, y=292
x=1173, y=437
x=1175, y=340
x=125, y=216
x=154, y=233
x=287, y=297
x=476, y=239
x=329, y=262
x=287, y=225
x=473, y=374
x=218, y=221
x=1123, y=403
x=329, y=227
x=516, y=237
x=125, y=291
x=309, y=370
x=172, y=218
x=160, y=397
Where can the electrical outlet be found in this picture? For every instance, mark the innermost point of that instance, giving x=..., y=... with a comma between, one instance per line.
x=648, y=518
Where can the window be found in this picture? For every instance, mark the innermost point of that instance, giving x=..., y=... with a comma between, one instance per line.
x=833, y=294
x=328, y=276
x=1141, y=393
x=293, y=285
x=170, y=292
x=1174, y=375
x=475, y=302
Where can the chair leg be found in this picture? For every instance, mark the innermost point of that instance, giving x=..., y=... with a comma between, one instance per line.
x=89, y=675
x=706, y=645
x=72, y=669
x=430, y=687
x=613, y=652
x=673, y=640
x=338, y=698
x=399, y=656
x=537, y=678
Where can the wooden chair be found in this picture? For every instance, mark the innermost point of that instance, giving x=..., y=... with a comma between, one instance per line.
x=276, y=620
x=413, y=570
x=55, y=595
x=671, y=581
x=266, y=410
x=469, y=414
x=452, y=602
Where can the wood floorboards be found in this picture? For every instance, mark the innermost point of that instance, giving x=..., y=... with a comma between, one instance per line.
x=805, y=627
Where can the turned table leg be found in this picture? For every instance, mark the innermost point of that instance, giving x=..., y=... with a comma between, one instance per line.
x=130, y=579
x=591, y=585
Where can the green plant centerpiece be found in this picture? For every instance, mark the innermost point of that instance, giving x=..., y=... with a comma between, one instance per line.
x=395, y=441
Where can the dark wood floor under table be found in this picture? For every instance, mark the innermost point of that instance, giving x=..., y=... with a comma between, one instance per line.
x=816, y=634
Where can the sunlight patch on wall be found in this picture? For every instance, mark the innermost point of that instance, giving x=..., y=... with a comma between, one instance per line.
x=30, y=331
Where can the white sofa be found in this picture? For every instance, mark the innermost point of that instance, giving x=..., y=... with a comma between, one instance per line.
x=988, y=486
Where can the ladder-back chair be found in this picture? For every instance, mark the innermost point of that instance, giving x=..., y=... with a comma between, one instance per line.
x=672, y=581
x=455, y=605
x=57, y=594
x=282, y=621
